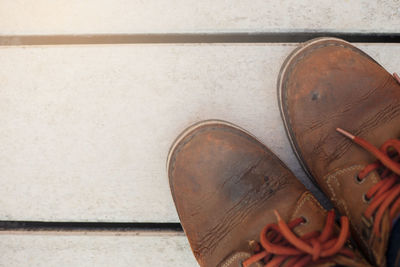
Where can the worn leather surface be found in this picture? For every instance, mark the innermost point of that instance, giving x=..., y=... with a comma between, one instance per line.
x=225, y=186
x=331, y=84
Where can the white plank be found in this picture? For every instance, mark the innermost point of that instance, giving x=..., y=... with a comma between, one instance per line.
x=58, y=249
x=85, y=130
x=180, y=16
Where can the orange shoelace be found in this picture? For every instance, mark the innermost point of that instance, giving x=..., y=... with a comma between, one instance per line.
x=385, y=195
x=282, y=246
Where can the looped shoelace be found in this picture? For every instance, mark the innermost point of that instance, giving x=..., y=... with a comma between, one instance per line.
x=385, y=194
x=281, y=245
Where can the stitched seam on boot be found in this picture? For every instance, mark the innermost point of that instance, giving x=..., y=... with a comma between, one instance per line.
x=307, y=196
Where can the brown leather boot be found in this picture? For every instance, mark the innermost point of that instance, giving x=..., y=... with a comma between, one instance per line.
x=326, y=84
x=226, y=186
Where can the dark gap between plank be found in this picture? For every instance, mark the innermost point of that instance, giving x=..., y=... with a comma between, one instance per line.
x=292, y=37
x=87, y=226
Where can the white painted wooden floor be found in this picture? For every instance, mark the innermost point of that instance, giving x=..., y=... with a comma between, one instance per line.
x=85, y=129
x=185, y=16
x=95, y=249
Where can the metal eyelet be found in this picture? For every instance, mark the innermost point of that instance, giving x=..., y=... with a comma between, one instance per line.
x=305, y=220
x=365, y=199
x=253, y=245
x=358, y=180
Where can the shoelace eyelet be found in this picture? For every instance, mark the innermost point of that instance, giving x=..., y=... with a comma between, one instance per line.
x=366, y=199
x=358, y=179
x=305, y=220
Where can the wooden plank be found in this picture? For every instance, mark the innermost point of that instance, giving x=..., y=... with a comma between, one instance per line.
x=183, y=16
x=85, y=130
x=102, y=250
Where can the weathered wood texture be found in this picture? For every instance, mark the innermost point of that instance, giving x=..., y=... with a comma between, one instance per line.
x=62, y=249
x=181, y=16
x=85, y=130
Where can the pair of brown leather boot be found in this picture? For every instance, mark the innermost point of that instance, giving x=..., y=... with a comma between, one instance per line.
x=241, y=206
